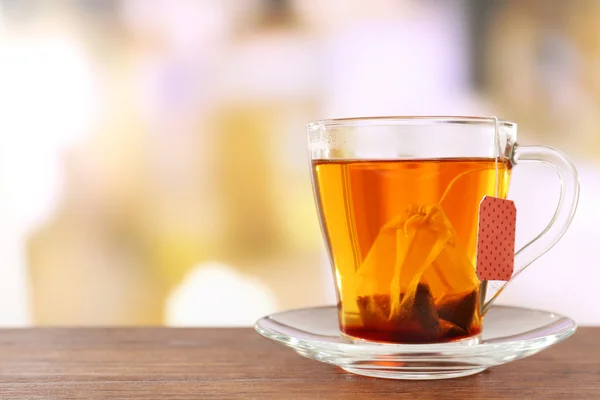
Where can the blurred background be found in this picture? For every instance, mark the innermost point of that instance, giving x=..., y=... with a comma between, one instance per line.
x=152, y=158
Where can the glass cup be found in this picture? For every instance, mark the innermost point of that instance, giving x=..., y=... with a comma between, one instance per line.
x=398, y=201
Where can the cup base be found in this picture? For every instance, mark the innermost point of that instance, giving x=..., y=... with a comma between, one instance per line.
x=415, y=373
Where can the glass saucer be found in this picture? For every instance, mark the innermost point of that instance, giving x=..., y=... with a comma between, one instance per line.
x=509, y=334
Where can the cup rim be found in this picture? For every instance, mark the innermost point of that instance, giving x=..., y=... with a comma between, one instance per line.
x=408, y=120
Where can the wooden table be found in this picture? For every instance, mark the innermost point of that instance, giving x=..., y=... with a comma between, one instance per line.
x=156, y=363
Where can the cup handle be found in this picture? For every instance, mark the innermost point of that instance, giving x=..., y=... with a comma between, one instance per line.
x=558, y=225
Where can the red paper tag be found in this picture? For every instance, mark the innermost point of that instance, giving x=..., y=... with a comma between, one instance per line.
x=496, y=239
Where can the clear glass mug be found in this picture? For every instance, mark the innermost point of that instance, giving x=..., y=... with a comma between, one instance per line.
x=398, y=201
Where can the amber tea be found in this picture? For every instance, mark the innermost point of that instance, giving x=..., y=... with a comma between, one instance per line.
x=402, y=237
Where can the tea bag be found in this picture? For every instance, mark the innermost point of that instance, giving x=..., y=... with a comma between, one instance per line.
x=423, y=248
x=411, y=241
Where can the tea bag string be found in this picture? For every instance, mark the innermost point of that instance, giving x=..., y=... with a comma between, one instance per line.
x=453, y=181
x=496, y=153
x=496, y=168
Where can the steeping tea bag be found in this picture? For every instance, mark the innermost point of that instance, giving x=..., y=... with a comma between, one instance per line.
x=417, y=249
x=411, y=242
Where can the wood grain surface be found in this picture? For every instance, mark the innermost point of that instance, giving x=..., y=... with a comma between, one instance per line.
x=166, y=363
